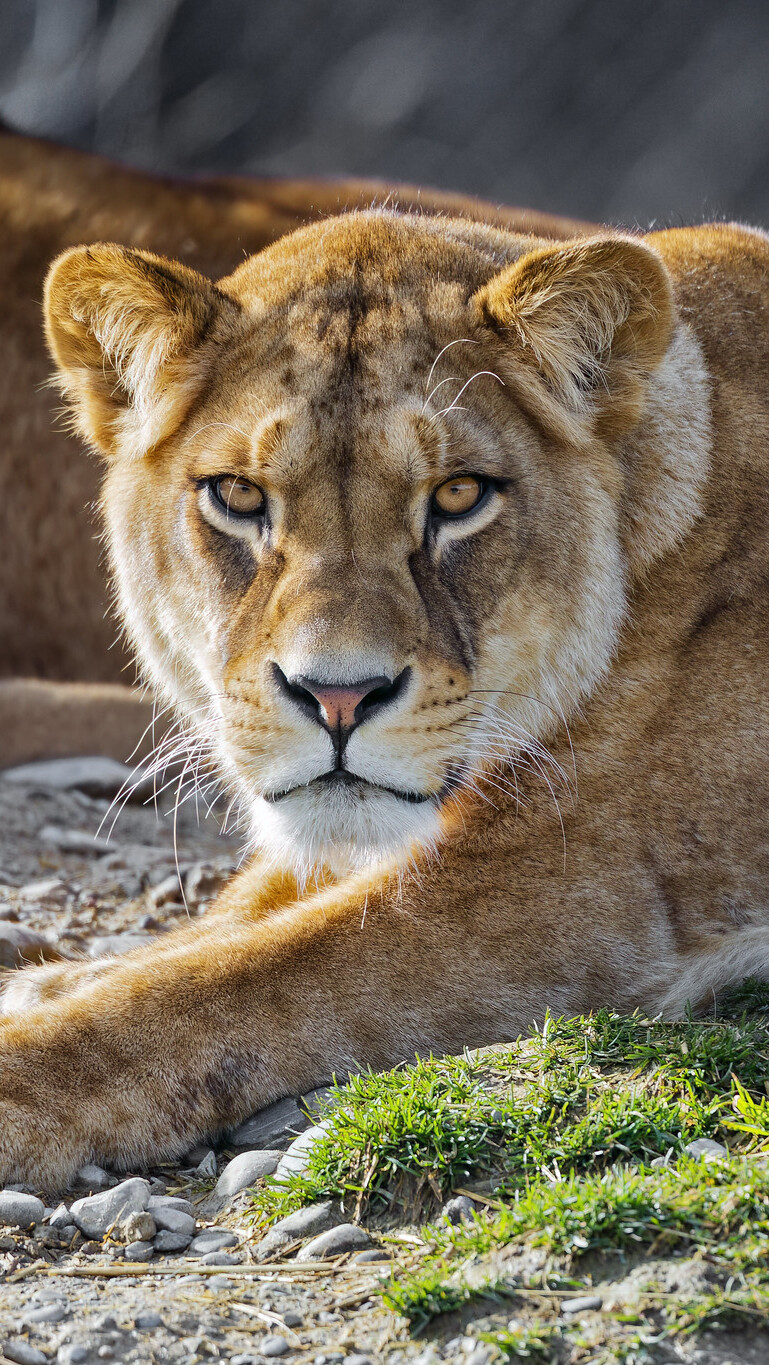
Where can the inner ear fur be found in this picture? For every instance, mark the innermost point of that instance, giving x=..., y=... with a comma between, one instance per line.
x=127, y=332
x=584, y=326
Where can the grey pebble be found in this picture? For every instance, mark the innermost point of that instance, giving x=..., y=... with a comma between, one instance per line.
x=172, y=1241
x=478, y=1356
x=461, y=1209
x=48, y=1312
x=207, y=1167
x=96, y=776
x=292, y=1319
x=48, y=891
x=105, y=1323
x=245, y=1170
x=137, y=1227
x=95, y=1178
x=274, y=1126
x=307, y=1222
x=138, y=1251
x=18, y=1210
x=174, y=1220
x=20, y=946
x=358, y=1360
x=274, y=1346
x=345, y=1237
x=583, y=1305
x=297, y=1157
x=158, y=1202
x=374, y=1254
x=23, y=1354
x=72, y=1354
x=706, y=1149
x=212, y=1239
x=97, y=1213
x=114, y=945
x=73, y=841
x=244, y=1360
x=221, y=1258
x=145, y=1322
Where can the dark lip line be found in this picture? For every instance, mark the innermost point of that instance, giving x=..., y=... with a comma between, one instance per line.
x=413, y=798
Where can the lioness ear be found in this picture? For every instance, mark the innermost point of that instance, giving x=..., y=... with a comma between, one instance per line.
x=586, y=323
x=126, y=330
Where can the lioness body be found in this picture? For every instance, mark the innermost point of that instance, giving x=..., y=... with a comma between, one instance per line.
x=598, y=827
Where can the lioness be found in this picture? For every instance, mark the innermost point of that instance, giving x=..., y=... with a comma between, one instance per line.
x=449, y=547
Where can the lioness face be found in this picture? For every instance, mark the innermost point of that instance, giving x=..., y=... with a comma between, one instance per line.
x=365, y=526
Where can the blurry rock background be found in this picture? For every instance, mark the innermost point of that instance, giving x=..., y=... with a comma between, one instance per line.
x=655, y=110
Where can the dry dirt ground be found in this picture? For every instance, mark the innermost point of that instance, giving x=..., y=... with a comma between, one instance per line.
x=75, y=1300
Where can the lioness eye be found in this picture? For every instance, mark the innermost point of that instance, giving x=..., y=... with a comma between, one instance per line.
x=239, y=497
x=457, y=496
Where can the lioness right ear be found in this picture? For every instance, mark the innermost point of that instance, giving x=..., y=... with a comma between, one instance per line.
x=127, y=331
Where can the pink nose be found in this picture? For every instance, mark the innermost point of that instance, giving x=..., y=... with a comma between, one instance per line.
x=339, y=706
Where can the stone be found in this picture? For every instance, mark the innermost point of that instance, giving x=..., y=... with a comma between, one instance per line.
x=274, y=1346
x=357, y=1359
x=73, y=841
x=307, y=1222
x=105, y=1323
x=139, y=1251
x=245, y=1359
x=137, y=1227
x=316, y=1101
x=345, y=1237
x=60, y=1218
x=293, y=1319
x=221, y=1258
x=72, y=1354
x=461, y=1209
x=587, y=1303
x=97, y=1213
x=171, y=1241
x=296, y=1159
x=275, y=1126
x=95, y=1178
x=212, y=1239
x=374, y=1254
x=175, y=1220
x=48, y=1312
x=20, y=946
x=207, y=1168
x=19, y=1210
x=23, y=1354
x=147, y=1321
x=157, y=1202
x=479, y=1356
x=95, y=775
x=48, y=892
x=113, y=945
x=245, y=1170
x=705, y=1149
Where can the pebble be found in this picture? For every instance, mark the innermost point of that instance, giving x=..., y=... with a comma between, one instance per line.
x=706, y=1149
x=245, y=1170
x=49, y=1312
x=48, y=892
x=374, y=1254
x=173, y=1220
x=172, y=1241
x=221, y=1258
x=73, y=841
x=19, y=1210
x=244, y=1360
x=139, y=1251
x=275, y=1126
x=106, y=1323
x=96, y=775
x=274, y=1346
x=212, y=1239
x=478, y=1356
x=95, y=1178
x=307, y=1222
x=20, y=946
x=345, y=1237
x=584, y=1305
x=357, y=1359
x=316, y=1101
x=97, y=1213
x=138, y=1227
x=60, y=1217
x=113, y=945
x=147, y=1321
x=297, y=1157
x=158, y=1202
x=72, y=1354
x=207, y=1167
x=459, y=1210
x=23, y=1354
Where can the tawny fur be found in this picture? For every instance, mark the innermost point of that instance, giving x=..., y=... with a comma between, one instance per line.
x=586, y=710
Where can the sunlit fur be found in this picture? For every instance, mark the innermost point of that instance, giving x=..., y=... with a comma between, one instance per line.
x=582, y=659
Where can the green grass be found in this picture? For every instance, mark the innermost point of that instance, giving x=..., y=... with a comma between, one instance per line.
x=565, y=1125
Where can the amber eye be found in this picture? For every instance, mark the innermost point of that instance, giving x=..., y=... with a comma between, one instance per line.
x=239, y=497
x=458, y=495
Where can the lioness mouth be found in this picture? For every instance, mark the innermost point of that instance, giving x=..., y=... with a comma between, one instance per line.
x=339, y=777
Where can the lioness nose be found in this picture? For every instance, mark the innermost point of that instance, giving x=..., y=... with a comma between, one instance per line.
x=340, y=707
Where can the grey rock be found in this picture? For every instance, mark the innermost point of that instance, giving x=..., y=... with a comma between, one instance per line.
x=245, y=1170
x=195, y=1154
x=374, y=1254
x=137, y=1227
x=73, y=841
x=296, y=1159
x=48, y=892
x=307, y=1222
x=221, y=1258
x=147, y=1321
x=357, y=1359
x=274, y=1346
x=585, y=1304
x=72, y=1353
x=20, y=946
x=207, y=1168
x=293, y=1319
x=345, y=1237
x=707, y=1150
x=48, y=1312
x=113, y=945
x=23, y=1354
x=139, y=1251
x=172, y=1241
x=479, y=1356
x=97, y=1213
x=19, y=1210
x=94, y=775
x=316, y=1101
x=105, y=1323
x=212, y=1239
x=95, y=1178
x=461, y=1209
x=157, y=1202
x=275, y=1126
x=60, y=1217
x=174, y=1220
x=245, y=1359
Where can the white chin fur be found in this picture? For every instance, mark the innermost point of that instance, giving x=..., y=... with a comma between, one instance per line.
x=341, y=829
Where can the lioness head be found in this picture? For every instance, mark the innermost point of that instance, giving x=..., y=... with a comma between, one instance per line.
x=374, y=501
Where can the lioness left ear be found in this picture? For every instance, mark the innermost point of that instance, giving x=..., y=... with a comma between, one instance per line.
x=585, y=324
x=127, y=331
